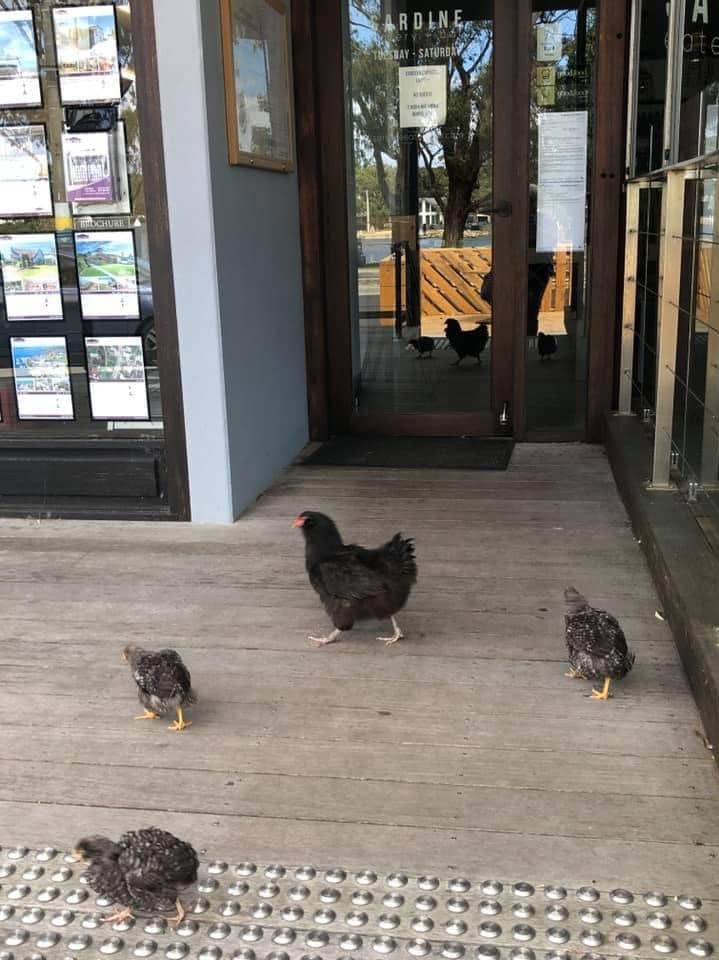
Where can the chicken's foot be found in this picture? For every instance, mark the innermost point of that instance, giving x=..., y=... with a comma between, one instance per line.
x=147, y=715
x=125, y=914
x=397, y=635
x=180, y=916
x=604, y=693
x=330, y=638
x=574, y=674
x=180, y=723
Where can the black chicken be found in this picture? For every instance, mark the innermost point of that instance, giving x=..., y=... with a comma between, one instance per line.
x=163, y=683
x=597, y=646
x=144, y=871
x=423, y=345
x=546, y=345
x=466, y=343
x=355, y=583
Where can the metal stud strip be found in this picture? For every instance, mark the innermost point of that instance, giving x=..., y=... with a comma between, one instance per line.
x=251, y=912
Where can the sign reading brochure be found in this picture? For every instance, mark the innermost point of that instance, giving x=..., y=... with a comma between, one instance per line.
x=42, y=378
x=86, y=43
x=19, y=74
x=31, y=279
x=116, y=371
x=107, y=275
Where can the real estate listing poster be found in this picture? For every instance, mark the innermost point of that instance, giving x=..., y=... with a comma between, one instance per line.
x=107, y=274
x=19, y=73
x=116, y=373
x=86, y=162
x=30, y=276
x=86, y=44
x=24, y=172
x=88, y=167
x=42, y=378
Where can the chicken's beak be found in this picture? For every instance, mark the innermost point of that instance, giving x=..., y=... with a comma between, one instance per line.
x=123, y=655
x=77, y=856
x=298, y=522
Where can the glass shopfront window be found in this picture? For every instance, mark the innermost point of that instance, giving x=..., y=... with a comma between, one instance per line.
x=699, y=103
x=78, y=352
x=644, y=363
x=651, y=86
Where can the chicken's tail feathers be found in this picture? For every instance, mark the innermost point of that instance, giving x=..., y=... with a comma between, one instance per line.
x=630, y=658
x=191, y=696
x=401, y=550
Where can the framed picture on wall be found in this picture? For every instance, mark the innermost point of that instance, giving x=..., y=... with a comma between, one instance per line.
x=258, y=97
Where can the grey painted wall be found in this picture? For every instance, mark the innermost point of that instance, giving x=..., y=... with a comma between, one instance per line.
x=257, y=244
x=236, y=257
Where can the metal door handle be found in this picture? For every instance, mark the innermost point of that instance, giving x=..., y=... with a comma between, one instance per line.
x=503, y=209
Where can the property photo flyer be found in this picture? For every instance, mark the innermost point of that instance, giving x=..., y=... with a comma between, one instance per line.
x=24, y=172
x=88, y=161
x=30, y=276
x=86, y=44
x=116, y=372
x=88, y=167
x=19, y=73
x=42, y=378
x=107, y=274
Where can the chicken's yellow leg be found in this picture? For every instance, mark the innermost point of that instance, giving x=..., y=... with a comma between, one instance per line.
x=603, y=694
x=147, y=715
x=180, y=724
x=574, y=674
x=125, y=914
x=180, y=913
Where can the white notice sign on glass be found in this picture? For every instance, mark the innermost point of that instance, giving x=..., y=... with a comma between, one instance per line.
x=562, y=180
x=549, y=41
x=422, y=96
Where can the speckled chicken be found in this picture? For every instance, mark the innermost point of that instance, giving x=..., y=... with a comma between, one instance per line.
x=355, y=583
x=145, y=871
x=163, y=683
x=596, y=643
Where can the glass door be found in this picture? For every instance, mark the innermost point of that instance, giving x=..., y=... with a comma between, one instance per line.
x=467, y=160
x=420, y=187
x=562, y=62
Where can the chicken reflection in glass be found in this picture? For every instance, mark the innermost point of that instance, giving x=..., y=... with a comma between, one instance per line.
x=355, y=583
x=466, y=343
x=163, y=683
x=596, y=643
x=143, y=872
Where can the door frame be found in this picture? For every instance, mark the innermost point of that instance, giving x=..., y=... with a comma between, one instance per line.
x=322, y=183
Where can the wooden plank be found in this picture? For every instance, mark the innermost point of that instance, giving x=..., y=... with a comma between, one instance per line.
x=389, y=731
x=452, y=850
x=409, y=704
x=360, y=800
x=495, y=636
x=415, y=680
x=125, y=744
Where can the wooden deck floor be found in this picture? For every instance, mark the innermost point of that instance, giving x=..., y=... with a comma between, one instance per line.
x=462, y=748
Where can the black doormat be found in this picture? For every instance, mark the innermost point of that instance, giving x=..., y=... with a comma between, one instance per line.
x=444, y=453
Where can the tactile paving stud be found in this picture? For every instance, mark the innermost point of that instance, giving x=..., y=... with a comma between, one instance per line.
x=393, y=900
x=251, y=911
